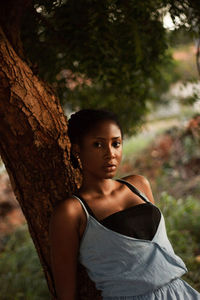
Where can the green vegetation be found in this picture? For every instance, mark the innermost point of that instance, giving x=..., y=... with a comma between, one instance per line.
x=182, y=218
x=21, y=275
x=106, y=54
x=101, y=54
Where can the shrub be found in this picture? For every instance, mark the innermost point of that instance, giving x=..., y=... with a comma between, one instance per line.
x=182, y=219
x=21, y=275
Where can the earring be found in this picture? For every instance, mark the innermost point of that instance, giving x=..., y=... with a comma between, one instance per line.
x=75, y=160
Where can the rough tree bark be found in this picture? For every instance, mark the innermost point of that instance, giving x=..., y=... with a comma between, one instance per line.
x=35, y=149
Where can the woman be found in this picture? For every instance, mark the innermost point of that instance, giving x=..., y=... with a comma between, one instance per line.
x=112, y=226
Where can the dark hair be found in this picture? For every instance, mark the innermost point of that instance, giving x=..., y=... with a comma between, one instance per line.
x=83, y=121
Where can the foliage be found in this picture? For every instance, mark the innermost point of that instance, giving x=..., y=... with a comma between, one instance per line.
x=21, y=275
x=181, y=37
x=109, y=54
x=184, y=152
x=183, y=222
x=186, y=141
x=185, y=14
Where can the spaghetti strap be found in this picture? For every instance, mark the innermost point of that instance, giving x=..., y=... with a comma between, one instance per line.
x=90, y=212
x=135, y=190
x=83, y=205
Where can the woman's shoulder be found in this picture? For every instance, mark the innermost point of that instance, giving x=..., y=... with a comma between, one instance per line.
x=69, y=208
x=137, y=180
x=141, y=183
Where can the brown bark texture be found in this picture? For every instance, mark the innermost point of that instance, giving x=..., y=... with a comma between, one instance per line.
x=35, y=149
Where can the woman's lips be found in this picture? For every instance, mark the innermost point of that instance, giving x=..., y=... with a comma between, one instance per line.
x=110, y=167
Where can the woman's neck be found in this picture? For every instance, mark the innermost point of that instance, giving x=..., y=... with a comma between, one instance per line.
x=97, y=188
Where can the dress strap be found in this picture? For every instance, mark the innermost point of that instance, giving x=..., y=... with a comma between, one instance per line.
x=135, y=190
x=85, y=206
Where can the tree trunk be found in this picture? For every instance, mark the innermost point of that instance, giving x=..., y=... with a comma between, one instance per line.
x=35, y=149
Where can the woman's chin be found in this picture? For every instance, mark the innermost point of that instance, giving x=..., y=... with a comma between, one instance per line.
x=109, y=175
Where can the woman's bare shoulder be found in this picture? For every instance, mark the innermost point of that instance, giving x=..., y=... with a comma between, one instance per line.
x=136, y=179
x=68, y=208
x=142, y=184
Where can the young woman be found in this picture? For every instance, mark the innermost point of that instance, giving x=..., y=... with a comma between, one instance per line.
x=112, y=226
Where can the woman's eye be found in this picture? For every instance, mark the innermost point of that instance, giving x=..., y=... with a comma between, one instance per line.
x=116, y=144
x=98, y=144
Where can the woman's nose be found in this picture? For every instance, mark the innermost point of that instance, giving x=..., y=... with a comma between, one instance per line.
x=110, y=153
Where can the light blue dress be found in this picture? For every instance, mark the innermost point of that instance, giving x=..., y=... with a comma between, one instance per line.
x=126, y=268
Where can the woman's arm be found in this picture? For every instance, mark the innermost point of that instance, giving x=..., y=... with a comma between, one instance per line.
x=64, y=243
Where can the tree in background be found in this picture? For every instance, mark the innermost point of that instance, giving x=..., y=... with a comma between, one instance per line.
x=94, y=54
x=100, y=54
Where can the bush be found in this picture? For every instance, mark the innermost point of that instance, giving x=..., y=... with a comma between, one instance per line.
x=21, y=275
x=182, y=219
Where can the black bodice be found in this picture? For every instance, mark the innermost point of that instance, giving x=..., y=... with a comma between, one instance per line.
x=139, y=221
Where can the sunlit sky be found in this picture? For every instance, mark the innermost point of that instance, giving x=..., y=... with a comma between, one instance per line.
x=167, y=22
x=178, y=21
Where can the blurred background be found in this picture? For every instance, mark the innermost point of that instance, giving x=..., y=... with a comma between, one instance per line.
x=162, y=135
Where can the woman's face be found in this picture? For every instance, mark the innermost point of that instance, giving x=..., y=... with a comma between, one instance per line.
x=101, y=150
